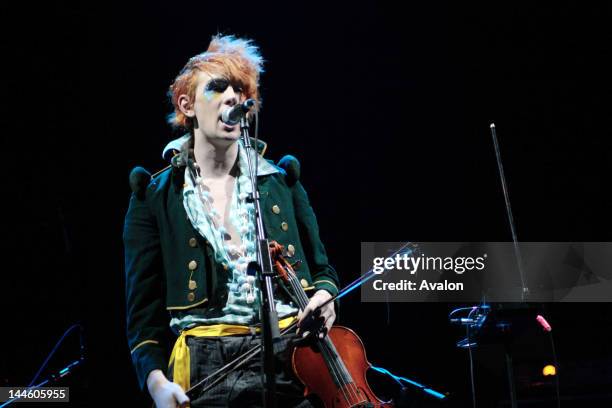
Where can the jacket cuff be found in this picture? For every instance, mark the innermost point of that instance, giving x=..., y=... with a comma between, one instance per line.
x=327, y=285
x=148, y=356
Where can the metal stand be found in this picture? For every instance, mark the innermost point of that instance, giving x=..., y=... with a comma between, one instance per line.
x=263, y=268
x=511, y=384
x=501, y=327
x=50, y=379
x=517, y=251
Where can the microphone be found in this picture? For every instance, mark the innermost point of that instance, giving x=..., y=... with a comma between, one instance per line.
x=233, y=115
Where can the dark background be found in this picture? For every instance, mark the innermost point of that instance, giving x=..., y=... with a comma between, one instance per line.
x=388, y=109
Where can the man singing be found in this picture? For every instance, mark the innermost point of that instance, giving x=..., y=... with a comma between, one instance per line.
x=190, y=234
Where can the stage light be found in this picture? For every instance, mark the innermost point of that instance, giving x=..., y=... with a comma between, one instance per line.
x=549, y=370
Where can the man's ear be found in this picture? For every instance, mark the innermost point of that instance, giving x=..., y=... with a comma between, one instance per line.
x=185, y=105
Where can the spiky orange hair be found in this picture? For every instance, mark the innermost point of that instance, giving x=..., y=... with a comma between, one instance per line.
x=235, y=58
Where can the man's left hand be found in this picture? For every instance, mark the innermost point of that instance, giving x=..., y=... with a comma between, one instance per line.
x=326, y=313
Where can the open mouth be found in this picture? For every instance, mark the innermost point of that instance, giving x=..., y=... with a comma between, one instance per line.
x=225, y=125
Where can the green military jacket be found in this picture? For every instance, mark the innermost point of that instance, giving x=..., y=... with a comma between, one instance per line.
x=163, y=251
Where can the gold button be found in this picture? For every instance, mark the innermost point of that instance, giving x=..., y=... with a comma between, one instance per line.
x=193, y=265
x=192, y=284
x=276, y=209
x=304, y=283
x=225, y=266
x=284, y=226
x=191, y=296
x=193, y=242
x=290, y=250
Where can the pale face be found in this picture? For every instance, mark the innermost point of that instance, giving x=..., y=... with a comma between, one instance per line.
x=214, y=94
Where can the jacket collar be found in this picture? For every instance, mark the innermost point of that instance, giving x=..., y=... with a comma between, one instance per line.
x=177, y=147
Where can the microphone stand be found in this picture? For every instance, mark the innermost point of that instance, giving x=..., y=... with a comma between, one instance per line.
x=517, y=251
x=49, y=379
x=59, y=374
x=263, y=268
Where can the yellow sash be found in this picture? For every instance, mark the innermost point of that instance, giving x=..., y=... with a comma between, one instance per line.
x=180, y=352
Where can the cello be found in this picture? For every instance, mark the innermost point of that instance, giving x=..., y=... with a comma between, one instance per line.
x=336, y=372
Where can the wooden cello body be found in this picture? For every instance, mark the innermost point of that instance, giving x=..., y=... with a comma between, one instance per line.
x=335, y=368
x=312, y=369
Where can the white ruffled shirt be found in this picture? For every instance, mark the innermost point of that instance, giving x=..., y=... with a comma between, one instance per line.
x=237, y=310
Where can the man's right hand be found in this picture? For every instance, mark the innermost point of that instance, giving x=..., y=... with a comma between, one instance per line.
x=166, y=394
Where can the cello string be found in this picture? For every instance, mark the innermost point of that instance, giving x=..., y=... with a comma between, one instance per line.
x=303, y=299
x=351, y=388
x=353, y=285
x=334, y=372
x=350, y=384
x=333, y=358
x=337, y=369
x=338, y=373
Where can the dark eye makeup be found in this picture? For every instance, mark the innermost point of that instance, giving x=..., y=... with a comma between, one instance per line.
x=219, y=85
